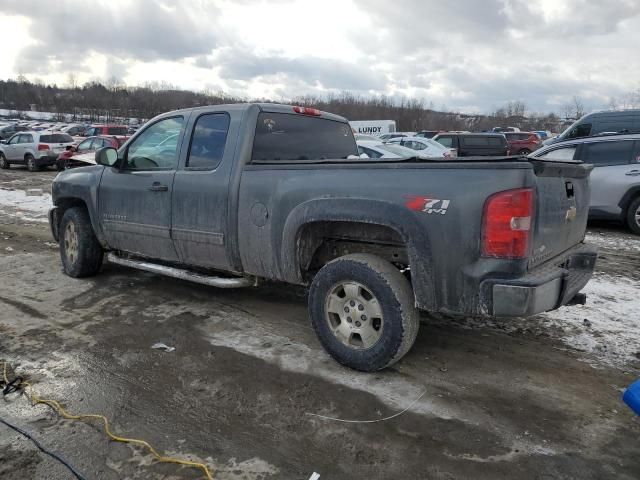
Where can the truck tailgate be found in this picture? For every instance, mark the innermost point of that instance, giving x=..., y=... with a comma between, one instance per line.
x=562, y=207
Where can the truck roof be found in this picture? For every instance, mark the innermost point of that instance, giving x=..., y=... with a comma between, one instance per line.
x=264, y=107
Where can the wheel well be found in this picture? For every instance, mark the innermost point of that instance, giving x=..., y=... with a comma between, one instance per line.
x=629, y=197
x=65, y=204
x=321, y=242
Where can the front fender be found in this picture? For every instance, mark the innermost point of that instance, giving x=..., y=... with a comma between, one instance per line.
x=80, y=184
x=376, y=212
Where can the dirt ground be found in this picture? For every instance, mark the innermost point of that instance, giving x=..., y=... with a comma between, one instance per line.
x=503, y=400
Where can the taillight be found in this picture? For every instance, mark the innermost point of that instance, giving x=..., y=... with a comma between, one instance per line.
x=307, y=111
x=43, y=146
x=507, y=224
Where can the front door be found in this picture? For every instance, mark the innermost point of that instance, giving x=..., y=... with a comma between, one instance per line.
x=201, y=191
x=135, y=200
x=12, y=147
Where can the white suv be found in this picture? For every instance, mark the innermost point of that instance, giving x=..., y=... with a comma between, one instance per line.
x=36, y=150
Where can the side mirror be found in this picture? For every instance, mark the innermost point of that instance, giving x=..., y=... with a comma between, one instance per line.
x=107, y=156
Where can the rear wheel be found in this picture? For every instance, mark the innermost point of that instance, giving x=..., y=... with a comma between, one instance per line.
x=80, y=251
x=4, y=163
x=31, y=163
x=363, y=311
x=633, y=216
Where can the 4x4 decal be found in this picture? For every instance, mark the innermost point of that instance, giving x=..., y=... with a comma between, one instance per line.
x=427, y=204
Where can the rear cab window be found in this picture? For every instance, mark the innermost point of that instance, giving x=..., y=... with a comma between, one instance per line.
x=289, y=137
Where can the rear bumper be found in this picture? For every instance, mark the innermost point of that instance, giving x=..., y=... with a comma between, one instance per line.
x=46, y=160
x=544, y=289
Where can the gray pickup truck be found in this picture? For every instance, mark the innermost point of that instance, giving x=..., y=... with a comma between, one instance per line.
x=232, y=195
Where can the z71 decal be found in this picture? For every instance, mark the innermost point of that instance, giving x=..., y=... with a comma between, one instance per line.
x=427, y=205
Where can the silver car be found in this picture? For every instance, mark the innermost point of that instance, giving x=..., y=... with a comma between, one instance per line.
x=615, y=180
x=36, y=150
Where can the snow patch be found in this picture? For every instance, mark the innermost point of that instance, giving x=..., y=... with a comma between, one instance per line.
x=613, y=242
x=17, y=204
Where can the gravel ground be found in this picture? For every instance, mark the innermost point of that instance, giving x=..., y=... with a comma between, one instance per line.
x=531, y=398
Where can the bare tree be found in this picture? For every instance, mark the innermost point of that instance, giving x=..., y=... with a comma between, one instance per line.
x=578, y=107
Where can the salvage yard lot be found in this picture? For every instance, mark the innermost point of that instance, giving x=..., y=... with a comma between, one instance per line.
x=530, y=398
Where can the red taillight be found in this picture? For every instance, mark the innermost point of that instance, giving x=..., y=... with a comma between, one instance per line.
x=43, y=146
x=507, y=224
x=307, y=111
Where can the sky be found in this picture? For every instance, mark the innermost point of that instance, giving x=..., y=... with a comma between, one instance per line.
x=469, y=55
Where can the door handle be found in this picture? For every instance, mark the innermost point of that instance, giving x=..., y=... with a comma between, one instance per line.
x=633, y=173
x=158, y=187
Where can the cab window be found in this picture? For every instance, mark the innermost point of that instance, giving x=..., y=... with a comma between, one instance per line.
x=208, y=140
x=152, y=149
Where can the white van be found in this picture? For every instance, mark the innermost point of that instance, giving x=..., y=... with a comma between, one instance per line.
x=373, y=127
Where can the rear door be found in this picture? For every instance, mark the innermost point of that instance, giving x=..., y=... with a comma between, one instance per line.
x=612, y=174
x=201, y=192
x=135, y=201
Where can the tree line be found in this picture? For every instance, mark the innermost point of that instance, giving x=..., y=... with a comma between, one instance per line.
x=96, y=100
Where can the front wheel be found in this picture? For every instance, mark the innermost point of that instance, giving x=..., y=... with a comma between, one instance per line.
x=633, y=216
x=363, y=311
x=4, y=163
x=524, y=152
x=80, y=251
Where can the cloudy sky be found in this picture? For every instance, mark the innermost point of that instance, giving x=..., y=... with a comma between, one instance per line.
x=469, y=55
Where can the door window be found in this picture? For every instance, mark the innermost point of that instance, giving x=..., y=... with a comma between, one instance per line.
x=85, y=145
x=608, y=153
x=445, y=141
x=153, y=149
x=15, y=139
x=26, y=138
x=582, y=130
x=208, y=141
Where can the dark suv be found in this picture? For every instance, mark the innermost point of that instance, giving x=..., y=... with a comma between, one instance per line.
x=474, y=144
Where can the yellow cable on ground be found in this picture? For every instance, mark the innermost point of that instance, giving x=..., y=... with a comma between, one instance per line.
x=35, y=399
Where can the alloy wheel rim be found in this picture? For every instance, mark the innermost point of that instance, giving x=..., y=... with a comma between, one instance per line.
x=637, y=216
x=354, y=315
x=71, y=242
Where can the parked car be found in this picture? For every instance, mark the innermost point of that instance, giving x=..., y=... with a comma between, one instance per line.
x=75, y=129
x=609, y=121
x=389, y=136
x=522, y=143
x=425, y=146
x=36, y=150
x=7, y=131
x=377, y=149
x=474, y=144
x=275, y=192
x=120, y=132
x=428, y=133
x=615, y=181
x=83, y=154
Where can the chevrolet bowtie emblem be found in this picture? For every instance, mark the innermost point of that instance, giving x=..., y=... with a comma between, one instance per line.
x=571, y=214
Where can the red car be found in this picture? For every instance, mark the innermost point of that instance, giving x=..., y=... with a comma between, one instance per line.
x=119, y=132
x=523, y=143
x=81, y=155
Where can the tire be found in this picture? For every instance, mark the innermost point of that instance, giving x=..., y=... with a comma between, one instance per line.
x=375, y=294
x=4, y=163
x=524, y=151
x=80, y=252
x=633, y=216
x=31, y=163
